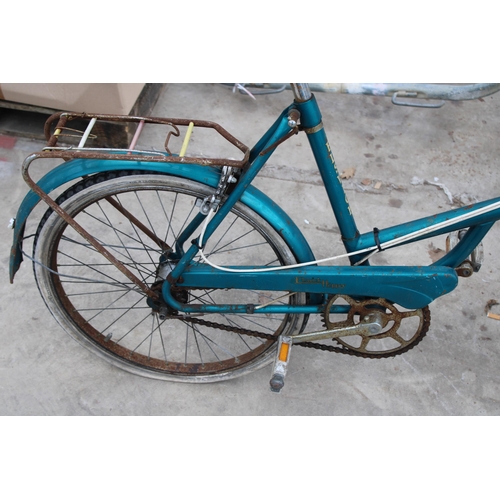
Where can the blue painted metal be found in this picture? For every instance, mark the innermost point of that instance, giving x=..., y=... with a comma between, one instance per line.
x=311, y=120
x=73, y=170
x=465, y=247
x=410, y=287
x=187, y=233
x=265, y=139
x=280, y=130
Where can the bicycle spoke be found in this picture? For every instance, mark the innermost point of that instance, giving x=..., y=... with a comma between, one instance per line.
x=107, y=308
x=120, y=232
x=169, y=226
x=88, y=246
x=87, y=266
x=125, y=214
x=127, y=311
x=219, y=250
x=119, y=238
x=197, y=344
x=145, y=213
x=213, y=343
x=161, y=339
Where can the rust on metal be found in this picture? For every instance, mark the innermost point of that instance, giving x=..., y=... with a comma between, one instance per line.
x=55, y=126
x=292, y=132
x=391, y=315
x=136, y=222
x=465, y=270
x=79, y=229
x=174, y=133
x=87, y=153
x=62, y=119
x=313, y=130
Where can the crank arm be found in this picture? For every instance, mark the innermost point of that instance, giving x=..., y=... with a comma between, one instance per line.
x=370, y=325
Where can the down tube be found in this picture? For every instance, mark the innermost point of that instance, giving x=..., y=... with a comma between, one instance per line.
x=311, y=121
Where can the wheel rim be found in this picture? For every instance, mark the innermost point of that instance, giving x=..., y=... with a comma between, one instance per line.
x=117, y=320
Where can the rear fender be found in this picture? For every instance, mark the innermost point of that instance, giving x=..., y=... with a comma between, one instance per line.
x=76, y=169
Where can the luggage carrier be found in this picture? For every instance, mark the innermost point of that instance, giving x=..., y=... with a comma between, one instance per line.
x=57, y=127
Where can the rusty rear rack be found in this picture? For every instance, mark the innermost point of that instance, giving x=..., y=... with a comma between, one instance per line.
x=57, y=127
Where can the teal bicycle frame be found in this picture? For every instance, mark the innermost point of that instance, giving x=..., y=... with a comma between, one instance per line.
x=411, y=287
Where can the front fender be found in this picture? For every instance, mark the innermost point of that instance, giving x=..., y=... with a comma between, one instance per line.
x=76, y=169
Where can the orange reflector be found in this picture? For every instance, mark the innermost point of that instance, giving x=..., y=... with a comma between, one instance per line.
x=283, y=356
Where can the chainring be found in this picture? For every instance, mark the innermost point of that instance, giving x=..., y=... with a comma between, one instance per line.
x=391, y=341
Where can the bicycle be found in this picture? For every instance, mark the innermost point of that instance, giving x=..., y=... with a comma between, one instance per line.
x=177, y=268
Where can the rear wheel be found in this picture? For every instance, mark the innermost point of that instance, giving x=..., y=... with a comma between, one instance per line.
x=132, y=216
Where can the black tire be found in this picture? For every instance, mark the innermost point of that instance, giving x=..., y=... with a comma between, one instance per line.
x=96, y=304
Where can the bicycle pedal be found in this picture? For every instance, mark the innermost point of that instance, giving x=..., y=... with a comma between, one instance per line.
x=281, y=364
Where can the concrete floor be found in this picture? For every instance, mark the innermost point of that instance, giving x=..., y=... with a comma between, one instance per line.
x=420, y=157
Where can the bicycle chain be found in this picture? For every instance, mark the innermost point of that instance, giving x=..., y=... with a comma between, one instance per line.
x=313, y=345
x=225, y=328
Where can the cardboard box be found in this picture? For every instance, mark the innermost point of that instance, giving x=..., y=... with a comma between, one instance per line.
x=114, y=98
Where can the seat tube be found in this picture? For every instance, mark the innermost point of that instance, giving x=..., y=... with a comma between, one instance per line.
x=301, y=92
x=311, y=121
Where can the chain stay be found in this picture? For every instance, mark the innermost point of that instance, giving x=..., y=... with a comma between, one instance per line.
x=313, y=345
